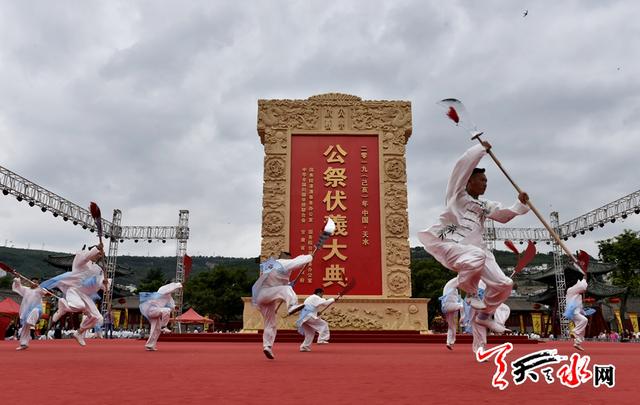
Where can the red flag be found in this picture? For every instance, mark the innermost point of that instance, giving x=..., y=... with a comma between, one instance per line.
x=186, y=262
x=453, y=114
x=526, y=257
x=583, y=261
x=511, y=247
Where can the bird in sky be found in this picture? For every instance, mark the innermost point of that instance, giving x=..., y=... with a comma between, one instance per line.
x=525, y=13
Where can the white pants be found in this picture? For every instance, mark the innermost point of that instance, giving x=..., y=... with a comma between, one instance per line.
x=580, y=325
x=313, y=325
x=76, y=301
x=479, y=333
x=267, y=301
x=158, y=318
x=451, y=316
x=502, y=314
x=25, y=330
x=472, y=264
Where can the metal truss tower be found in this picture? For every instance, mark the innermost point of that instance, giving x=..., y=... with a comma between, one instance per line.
x=620, y=208
x=111, y=262
x=35, y=195
x=561, y=285
x=608, y=213
x=182, y=236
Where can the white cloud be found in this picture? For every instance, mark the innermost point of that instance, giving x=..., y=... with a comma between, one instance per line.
x=150, y=107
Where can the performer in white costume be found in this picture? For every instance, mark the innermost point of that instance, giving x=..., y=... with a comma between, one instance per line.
x=30, y=309
x=456, y=241
x=451, y=305
x=272, y=287
x=157, y=308
x=575, y=312
x=80, y=287
x=309, y=322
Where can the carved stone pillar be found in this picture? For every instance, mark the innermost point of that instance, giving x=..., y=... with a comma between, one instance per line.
x=386, y=125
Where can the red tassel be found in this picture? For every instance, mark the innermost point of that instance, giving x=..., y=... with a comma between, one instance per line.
x=511, y=247
x=583, y=260
x=526, y=258
x=95, y=210
x=348, y=287
x=6, y=268
x=453, y=114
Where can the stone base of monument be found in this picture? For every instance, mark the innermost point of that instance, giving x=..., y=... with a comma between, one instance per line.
x=367, y=314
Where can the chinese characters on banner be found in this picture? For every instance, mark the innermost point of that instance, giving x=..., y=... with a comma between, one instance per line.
x=532, y=366
x=337, y=177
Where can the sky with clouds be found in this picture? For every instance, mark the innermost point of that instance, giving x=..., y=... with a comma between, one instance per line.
x=151, y=106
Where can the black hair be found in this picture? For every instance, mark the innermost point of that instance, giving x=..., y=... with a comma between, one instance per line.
x=318, y=291
x=286, y=253
x=478, y=170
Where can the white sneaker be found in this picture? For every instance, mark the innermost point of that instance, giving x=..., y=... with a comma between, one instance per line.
x=22, y=347
x=491, y=324
x=323, y=342
x=267, y=352
x=165, y=330
x=578, y=346
x=450, y=346
x=305, y=349
x=79, y=338
x=150, y=348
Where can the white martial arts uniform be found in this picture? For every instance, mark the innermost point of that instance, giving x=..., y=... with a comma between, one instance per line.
x=157, y=307
x=30, y=309
x=309, y=323
x=273, y=286
x=456, y=241
x=451, y=304
x=575, y=311
x=80, y=287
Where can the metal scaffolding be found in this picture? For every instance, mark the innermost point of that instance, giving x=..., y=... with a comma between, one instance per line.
x=608, y=213
x=35, y=195
x=182, y=236
x=561, y=285
x=618, y=209
x=111, y=262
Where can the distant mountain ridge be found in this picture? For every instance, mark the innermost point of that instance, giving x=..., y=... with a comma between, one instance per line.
x=33, y=263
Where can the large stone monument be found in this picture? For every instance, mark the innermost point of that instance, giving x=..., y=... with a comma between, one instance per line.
x=340, y=157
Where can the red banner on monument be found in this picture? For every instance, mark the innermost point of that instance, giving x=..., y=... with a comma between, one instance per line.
x=337, y=176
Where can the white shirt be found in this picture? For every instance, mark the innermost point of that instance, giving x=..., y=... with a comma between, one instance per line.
x=464, y=216
x=31, y=298
x=574, y=299
x=318, y=303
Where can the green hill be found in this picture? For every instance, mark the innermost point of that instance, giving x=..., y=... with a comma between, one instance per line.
x=134, y=268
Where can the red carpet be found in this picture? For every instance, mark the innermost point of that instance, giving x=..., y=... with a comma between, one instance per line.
x=120, y=371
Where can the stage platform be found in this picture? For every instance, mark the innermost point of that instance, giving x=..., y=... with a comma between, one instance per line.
x=121, y=371
x=343, y=336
